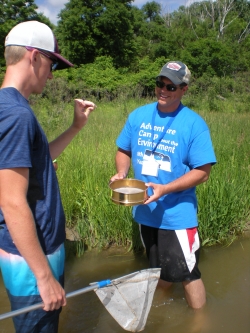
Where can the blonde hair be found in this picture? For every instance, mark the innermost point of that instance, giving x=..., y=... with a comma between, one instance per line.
x=13, y=54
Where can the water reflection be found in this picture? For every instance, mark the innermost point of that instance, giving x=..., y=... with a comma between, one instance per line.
x=225, y=272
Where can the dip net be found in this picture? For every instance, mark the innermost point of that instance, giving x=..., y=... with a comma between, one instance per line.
x=128, y=299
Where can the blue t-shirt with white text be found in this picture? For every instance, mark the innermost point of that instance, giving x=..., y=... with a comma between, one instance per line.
x=179, y=142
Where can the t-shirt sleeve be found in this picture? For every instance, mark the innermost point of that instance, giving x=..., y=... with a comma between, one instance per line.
x=124, y=139
x=201, y=149
x=16, y=137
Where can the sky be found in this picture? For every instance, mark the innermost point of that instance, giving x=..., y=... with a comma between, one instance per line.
x=51, y=8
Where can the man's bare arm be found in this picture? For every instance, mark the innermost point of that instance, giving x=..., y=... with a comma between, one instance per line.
x=191, y=179
x=82, y=110
x=122, y=161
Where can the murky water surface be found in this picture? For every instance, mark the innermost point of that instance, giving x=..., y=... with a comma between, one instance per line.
x=225, y=272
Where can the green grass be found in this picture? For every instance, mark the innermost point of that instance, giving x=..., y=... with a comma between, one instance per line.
x=86, y=166
x=224, y=201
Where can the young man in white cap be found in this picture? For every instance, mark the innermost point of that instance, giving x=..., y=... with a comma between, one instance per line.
x=32, y=221
x=170, y=148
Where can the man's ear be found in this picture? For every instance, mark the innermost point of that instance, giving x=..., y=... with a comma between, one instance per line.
x=34, y=56
x=185, y=89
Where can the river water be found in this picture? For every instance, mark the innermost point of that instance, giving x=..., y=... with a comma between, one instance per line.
x=225, y=272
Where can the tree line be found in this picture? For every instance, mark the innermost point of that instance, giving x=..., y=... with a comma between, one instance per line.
x=212, y=37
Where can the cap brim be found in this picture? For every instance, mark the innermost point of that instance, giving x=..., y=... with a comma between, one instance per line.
x=171, y=77
x=62, y=62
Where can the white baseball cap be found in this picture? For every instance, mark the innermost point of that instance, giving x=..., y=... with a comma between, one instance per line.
x=39, y=36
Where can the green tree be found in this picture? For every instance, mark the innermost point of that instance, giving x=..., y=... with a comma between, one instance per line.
x=17, y=10
x=209, y=56
x=150, y=31
x=151, y=10
x=89, y=29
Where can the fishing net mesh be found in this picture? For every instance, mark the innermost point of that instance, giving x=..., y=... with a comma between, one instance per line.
x=128, y=299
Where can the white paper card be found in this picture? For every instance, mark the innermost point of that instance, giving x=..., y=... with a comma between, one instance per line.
x=150, y=167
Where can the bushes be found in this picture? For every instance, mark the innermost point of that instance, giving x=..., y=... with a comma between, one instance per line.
x=101, y=81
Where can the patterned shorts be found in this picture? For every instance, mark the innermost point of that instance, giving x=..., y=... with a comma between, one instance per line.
x=176, y=252
x=22, y=290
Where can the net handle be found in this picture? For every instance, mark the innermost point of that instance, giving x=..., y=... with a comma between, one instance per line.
x=93, y=286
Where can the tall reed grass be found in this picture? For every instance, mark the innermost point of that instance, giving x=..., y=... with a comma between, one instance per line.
x=224, y=201
x=86, y=166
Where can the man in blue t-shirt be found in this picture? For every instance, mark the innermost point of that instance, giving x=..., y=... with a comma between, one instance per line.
x=170, y=148
x=32, y=221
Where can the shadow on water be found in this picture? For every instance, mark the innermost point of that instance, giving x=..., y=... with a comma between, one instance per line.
x=225, y=272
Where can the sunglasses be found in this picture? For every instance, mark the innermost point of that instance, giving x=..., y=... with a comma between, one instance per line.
x=54, y=64
x=169, y=87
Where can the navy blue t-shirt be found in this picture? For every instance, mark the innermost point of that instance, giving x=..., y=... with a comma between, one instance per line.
x=24, y=144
